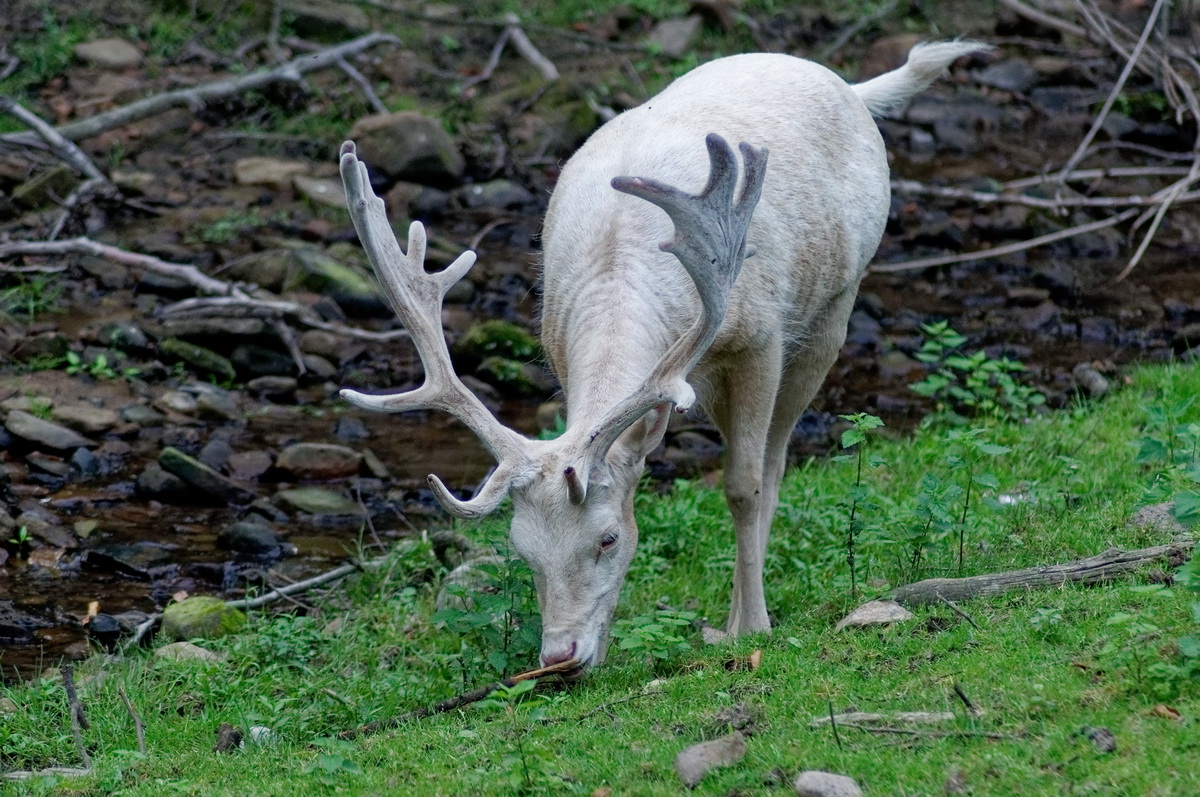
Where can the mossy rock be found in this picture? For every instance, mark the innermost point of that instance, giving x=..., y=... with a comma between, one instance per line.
x=495, y=338
x=507, y=376
x=201, y=616
x=206, y=360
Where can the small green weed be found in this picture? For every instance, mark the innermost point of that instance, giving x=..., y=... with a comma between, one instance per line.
x=971, y=384
x=97, y=368
x=333, y=765
x=655, y=636
x=526, y=769
x=228, y=227
x=32, y=297
x=860, y=495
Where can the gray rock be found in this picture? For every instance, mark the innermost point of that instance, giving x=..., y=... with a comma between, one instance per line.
x=85, y=417
x=1089, y=380
x=676, y=36
x=178, y=401
x=325, y=20
x=249, y=465
x=875, y=613
x=206, y=360
x=321, y=190
x=318, y=367
x=85, y=465
x=158, y=483
x=46, y=527
x=202, y=477
x=132, y=561
x=274, y=172
x=216, y=453
x=109, y=53
x=218, y=405
x=123, y=335
x=693, y=763
x=254, y=360
x=499, y=194
x=321, y=343
x=319, y=461
x=249, y=538
x=46, y=346
x=187, y=651
x=46, y=433
x=408, y=146
x=350, y=429
x=1013, y=74
x=272, y=387
x=1187, y=337
x=346, y=282
x=215, y=327
x=16, y=624
x=815, y=783
x=56, y=466
x=316, y=501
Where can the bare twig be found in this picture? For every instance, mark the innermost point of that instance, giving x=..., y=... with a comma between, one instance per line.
x=1175, y=194
x=1043, y=18
x=78, y=195
x=1112, y=95
x=364, y=84
x=474, y=696
x=525, y=47
x=60, y=146
x=273, y=31
x=961, y=694
x=493, y=61
x=954, y=608
x=985, y=198
x=997, y=251
x=198, y=96
x=138, y=725
x=868, y=718
x=852, y=30
x=930, y=734
x=79, y=720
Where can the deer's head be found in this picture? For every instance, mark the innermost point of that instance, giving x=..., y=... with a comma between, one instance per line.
x=572, y=497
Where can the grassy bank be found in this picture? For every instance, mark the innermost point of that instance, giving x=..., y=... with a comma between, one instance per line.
x=1043, y=670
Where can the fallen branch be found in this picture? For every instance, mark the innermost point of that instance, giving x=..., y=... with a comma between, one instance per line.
x=525, y=47
x=1045, y=203
x=929, y=734
x=465, y=699
x=1043, y=18
x=954, y=608
x=198, y=96
x=1094, y=570
x=866, y=718
x=79, y=720
x=64, y=149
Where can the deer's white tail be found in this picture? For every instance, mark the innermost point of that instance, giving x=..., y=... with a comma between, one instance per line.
x=890, y=91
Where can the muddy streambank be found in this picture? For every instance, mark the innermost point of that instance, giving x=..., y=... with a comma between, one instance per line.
x=151, y=447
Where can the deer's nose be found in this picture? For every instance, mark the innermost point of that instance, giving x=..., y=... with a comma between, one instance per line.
x=559, y=656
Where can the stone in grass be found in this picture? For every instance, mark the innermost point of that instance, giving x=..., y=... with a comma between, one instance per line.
x=319, y=461
x=316, y=501
x=875, y=613
x=201, y=616
x=186, y=651
x=815, y=783
x=199, y=475
x=693, y=763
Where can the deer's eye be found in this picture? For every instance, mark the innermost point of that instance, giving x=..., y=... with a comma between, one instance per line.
x=608, y=541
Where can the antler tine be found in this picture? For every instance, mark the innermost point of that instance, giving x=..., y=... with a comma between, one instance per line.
x=710, y=244
x=416, y=296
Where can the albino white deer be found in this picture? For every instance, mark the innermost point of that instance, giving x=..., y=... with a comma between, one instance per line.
x=630, y=334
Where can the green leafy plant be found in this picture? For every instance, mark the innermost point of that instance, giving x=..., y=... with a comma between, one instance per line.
x=229, y=226
x=971, y=384
x=526, y=769
x=856, y=437
x=98, y=368
x=31, y=297
x=968, y=448
x=21, y=540
x=333, y=764
x=656, y=636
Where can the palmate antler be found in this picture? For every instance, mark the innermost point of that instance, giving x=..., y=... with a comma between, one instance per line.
x=710, y=244
x=416, y=296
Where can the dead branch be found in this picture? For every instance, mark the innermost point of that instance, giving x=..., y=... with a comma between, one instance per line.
x=493, y=61
x=63, y=148
x=525, y=47
x=198, y=96
x=1175, y=194
x=928, y=734
x=1114, y=93
x=954, y=608
x=867, y=718
x=79, y=720
x=853, y=29
x=459, y=701
x=1094, y=570
x=986, y=198
x=1043, y=18
x=138, y=725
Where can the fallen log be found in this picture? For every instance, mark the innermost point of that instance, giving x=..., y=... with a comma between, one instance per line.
x=1096, y=569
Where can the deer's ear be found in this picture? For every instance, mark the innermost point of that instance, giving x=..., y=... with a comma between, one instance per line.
x=644, y=435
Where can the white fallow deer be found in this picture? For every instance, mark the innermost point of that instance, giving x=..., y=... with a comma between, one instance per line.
x=633, y=326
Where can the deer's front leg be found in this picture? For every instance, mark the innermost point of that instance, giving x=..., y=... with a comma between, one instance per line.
x=743, y=413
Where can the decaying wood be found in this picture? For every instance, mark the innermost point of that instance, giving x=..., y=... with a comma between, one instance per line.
x=79, y=720
x=198, y=96
x=868, y=718
x=883, y=729
x=138, y=725
x=465, y=699
x=1094, y=570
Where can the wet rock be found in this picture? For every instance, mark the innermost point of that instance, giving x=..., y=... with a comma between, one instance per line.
x=204, y=478
x=44, y=346
x=105, y=629
x=1186, y=337
x=1035, y=318
x=1101, y=738
x=1012, y=74
x=693, y=763
x=16, y=624
x=46, y=527
x=50, y=464
x=248, y=537
x=109, y=53
x=346, y=282
x=85, y=465
x=85, y=418
x=863, y=329
x=272, y=387
x=350, y=429
x=497, y=194
x=201, y=617
x=815, y=783
x=124, y=335
x=318, y=367
x=374, y=465
x=46, y=433
x=408, y=146
x=319, y=461
x=216, y=453
x=321, y=190
x=213, y=327
x=322, y=343
x=204, y=359
x=674, y=37
x=187, y=651
x=158, y=483
x=274, y=172
x=218, y=405
x=249, y=465
x=875, y=613
x=141, y=415
x=139, y=561
x=1027, y=295
x=316, y=501
x=1089, y=380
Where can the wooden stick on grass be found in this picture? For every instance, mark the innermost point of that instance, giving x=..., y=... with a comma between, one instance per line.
x=465, y=699
x=79, y=720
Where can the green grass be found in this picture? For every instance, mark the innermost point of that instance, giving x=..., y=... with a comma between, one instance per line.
x=1042, y=666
